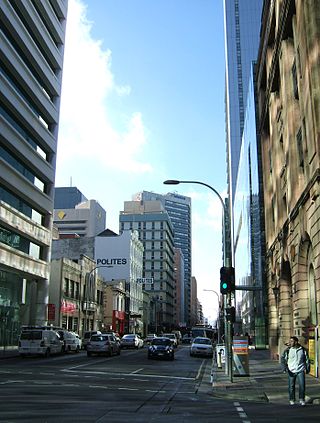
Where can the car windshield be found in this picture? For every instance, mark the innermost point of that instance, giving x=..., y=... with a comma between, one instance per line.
x=171, y=336
x=161, y=341
x=99, y=338
x=128, y=336
x=205, y=341
x=31, y=335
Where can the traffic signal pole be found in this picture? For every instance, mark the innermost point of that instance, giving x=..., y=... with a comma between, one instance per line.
x=227, y=263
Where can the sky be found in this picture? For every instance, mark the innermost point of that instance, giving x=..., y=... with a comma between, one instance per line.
x=143, y=101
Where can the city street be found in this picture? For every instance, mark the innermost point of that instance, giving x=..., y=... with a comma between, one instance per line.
x=129, y=387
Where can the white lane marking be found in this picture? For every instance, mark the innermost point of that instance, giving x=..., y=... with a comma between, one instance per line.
x=136, y=371
x=130, y=374
x=200, y=368
x=47, y=374
x=128, y=389
x=98, y=386
x=241, y=412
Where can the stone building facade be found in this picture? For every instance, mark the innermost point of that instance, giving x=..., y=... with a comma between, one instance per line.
x=288, y=84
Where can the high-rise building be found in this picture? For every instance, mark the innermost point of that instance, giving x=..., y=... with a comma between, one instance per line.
x=242, y=28
x=155, y=230
x=31, y=52
x=85, y=219
x=179, y=211
x=67, y=197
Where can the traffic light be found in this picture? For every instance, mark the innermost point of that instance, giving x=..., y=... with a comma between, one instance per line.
x=230, y=314
x=227, y=281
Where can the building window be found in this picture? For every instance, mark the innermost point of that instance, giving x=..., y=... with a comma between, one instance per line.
x=295, y=81
x=300, y=147
x=66, y=287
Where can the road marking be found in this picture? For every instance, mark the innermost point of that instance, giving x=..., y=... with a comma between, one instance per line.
x=128, y=389
x=200, y=368
x=241, y=412
x=136, y=371
x=71, y=370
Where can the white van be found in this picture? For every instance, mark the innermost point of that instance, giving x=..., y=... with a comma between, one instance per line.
x=39, y=341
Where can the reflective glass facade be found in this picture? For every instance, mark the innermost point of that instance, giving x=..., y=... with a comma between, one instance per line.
x=242, y=28
x=249, y=239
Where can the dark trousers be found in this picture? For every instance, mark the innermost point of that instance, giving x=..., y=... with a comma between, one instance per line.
x=300, y=377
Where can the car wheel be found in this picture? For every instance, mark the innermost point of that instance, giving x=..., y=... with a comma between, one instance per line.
x=47, y=353
x=22, y=355
x=89, y=354
x=119, y=352
x=77, y=349
x=172, y=358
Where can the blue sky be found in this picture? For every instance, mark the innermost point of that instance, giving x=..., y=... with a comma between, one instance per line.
x=143, y=101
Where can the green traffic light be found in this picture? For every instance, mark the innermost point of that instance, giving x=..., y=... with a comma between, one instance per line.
x=224, y=285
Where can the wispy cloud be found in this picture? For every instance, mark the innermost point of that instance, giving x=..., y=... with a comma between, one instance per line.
x=86, y=131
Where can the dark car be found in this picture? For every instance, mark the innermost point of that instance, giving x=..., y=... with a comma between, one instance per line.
x=161, y=347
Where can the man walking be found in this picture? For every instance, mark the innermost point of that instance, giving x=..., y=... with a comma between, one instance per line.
x=295, y=362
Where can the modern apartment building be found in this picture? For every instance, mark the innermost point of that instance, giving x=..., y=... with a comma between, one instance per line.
x=288, y=80
x=155, y=230
x=31, y=58
x=179, y=210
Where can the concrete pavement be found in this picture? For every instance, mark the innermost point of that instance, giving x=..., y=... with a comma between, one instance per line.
x=266, y=382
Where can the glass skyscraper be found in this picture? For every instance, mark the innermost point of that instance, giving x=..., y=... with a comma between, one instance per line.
x=242, y=28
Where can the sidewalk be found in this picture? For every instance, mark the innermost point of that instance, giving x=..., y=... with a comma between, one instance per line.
x=8, y=352
x=265, y=383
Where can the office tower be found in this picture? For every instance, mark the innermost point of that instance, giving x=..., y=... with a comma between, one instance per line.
x=155, y=230
x=67, y=197
x=86, y=219
x=31, y=52
x=288, y=75
x=248, y=217
x=179, y=211
x=242, y=28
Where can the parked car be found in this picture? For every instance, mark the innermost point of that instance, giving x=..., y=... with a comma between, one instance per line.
x=173, y=338
x=186, y=339
x=87, y=335
x=201, y=347
x=36, y=340
x=71, y=340
x=150, y=337
x=161, y=348
x=103, y=344
x=131, y=340
x=115, y=334
x=178, y=335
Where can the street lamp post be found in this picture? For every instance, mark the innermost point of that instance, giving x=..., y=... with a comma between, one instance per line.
x=218, y=320
x=226, y=262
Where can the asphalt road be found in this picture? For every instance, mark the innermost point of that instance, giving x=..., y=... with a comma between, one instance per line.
x=125, y=388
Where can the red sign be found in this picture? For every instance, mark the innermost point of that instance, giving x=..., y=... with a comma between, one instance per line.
x=51, y=311
x=67, y=307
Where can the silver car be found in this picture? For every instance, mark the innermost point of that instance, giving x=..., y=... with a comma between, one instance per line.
x=103, y=344
x=131, y=340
